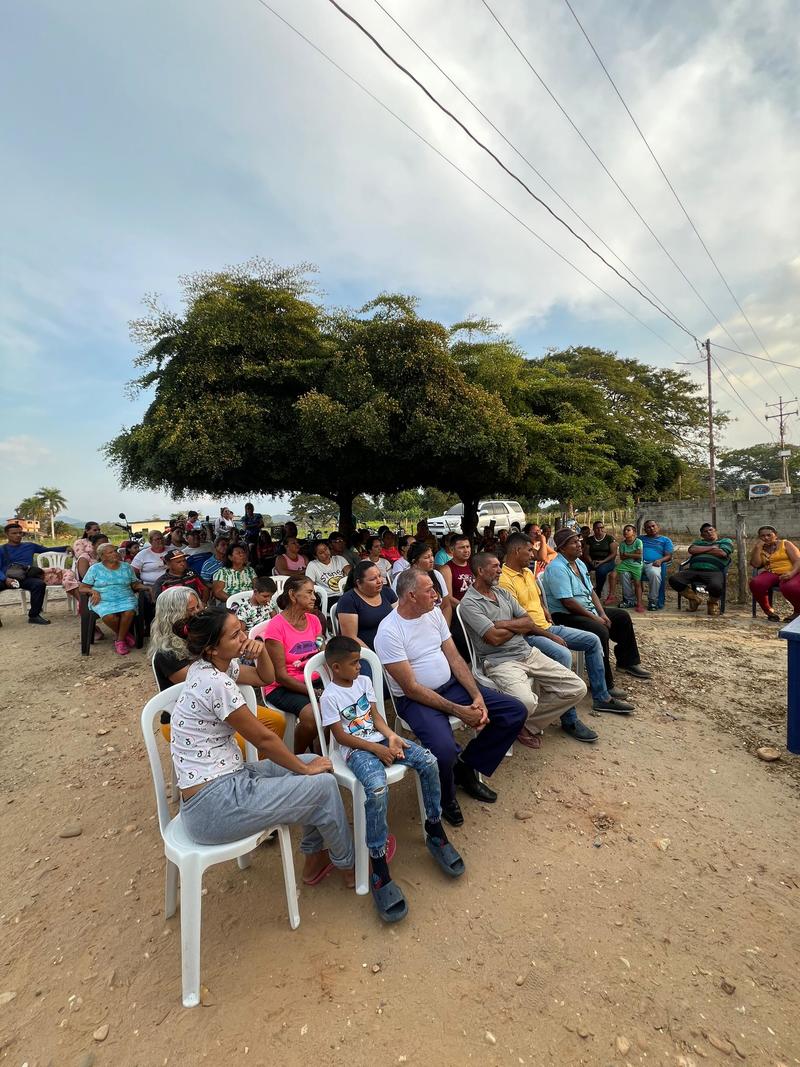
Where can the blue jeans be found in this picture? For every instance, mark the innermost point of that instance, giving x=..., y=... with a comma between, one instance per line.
x=601, y=573
x=577, y=641
x=371, y=772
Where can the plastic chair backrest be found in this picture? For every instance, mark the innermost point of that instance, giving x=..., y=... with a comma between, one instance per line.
x=334, y=620
x=151, y=720
x=236, y=599
x=54, y=559
x=323, y=595
x=468, y=641
x=316, y=665
x=280, y=581
x=153, y=666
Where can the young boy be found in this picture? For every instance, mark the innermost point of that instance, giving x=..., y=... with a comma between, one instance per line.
x=368, y=745
x=259, y=608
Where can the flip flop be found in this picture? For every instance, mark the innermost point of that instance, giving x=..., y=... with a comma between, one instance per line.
x=318, y=877
x=389, y=901
x=446, y=856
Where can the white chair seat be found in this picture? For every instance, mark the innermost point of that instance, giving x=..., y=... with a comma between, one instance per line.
x=178, y=845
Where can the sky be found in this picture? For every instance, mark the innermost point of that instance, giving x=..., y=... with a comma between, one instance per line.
x=148, y=141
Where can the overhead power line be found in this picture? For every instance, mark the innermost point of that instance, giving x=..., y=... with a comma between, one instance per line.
x=622, y=192
x=741, y=398
x=485, y=148
x=465, y=175
x=525, y=159
x=671, y=188
x=739, y=352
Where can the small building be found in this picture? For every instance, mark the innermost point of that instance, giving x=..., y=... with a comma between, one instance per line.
x=29, y=526
x=162, y=525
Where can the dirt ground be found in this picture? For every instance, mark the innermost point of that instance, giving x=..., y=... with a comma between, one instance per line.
x=636, y=901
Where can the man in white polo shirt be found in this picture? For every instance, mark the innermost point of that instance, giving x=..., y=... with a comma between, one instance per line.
x=430, y=682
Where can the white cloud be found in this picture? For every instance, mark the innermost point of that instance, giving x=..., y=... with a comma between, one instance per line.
x=22, y=451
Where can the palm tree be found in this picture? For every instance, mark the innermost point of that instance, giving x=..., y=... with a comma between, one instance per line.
x=53, y=502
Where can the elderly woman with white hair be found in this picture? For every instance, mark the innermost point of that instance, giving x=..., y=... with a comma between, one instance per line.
x=168, y=652
x=112, y=587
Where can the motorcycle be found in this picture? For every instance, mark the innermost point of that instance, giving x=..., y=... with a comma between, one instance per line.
x=134, y=543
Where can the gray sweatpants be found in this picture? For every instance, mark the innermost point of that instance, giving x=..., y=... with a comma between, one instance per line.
x=262, y=794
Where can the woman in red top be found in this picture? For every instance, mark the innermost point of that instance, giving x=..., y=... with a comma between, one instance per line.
x=457, y=572
x=390, y=550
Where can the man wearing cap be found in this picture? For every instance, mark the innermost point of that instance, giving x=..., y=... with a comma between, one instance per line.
x=559, y=642
x=573, y=602
x=178, y=573
x=18, y=572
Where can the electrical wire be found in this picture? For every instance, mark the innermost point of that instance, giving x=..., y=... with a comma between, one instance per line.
x=741, y=399
x=739, y=352
x=485, y=148
x=672, y=189
x=622, y=192
x=467, y=176
x=525, y=160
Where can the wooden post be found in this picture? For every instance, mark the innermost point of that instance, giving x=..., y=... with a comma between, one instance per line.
x=741, y=556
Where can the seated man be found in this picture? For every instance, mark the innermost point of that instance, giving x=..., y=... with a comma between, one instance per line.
x=657, y=551
x=215, y=562
x=457, y=572
x=559, y=642
x=430, y=681
x=498, y=625
x=572, y=602
x=709, y=558
x=18, y=572
x=178, y=573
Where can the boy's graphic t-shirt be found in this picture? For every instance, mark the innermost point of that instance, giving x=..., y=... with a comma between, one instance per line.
x=350, y=705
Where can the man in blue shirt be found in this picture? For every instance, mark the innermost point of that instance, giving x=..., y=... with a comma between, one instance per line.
x=17, y=570
x=572, y=601
x=657, y=550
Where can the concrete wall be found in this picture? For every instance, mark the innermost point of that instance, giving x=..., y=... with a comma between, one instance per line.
x=685, y=516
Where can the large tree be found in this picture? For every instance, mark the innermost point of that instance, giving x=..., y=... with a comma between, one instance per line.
x=737, y=467
x=53, y=501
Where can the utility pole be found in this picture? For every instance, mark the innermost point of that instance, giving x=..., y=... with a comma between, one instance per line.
x=782, y=416
x=712, y=464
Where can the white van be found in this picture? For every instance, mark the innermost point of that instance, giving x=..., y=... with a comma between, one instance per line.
x=507, y=515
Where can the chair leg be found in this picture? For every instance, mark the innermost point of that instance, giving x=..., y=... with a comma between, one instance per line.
x=191, y=920
x=171, y=890
x=360, y=841
x=288, y=733
x=244, y=861
x=287, y=859
x=422, y=815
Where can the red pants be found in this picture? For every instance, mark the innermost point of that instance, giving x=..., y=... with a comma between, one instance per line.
x=762, y=583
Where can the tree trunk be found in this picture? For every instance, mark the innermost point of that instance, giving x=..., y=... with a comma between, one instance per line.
x=344, y=500
x=52, y=526
x=469, y=525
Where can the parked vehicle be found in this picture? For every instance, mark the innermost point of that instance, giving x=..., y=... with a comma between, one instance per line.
x=507, y=515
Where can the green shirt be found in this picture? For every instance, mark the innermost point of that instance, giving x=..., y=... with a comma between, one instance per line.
x=702, y=562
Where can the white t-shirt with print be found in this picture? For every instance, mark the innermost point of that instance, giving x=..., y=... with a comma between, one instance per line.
x=350, y=706
x=330, y=575
x=202, y=743
x=149, y=564
x=420, y=642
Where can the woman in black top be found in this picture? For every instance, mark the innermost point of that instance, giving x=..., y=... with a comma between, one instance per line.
x=365, y=603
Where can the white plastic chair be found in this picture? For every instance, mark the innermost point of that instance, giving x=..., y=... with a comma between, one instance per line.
x=187, y=861
x=280, y=581
x=344, y=776
x=54, y=559
x=289, y=719
x=333, y=620
x=324, y=596
x=580, y=658
x=23, y=593
x=233, y=601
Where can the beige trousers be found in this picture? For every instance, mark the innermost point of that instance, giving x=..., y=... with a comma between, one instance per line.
x=545, y=687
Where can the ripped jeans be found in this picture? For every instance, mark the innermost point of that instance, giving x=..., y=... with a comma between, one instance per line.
x=371, y=772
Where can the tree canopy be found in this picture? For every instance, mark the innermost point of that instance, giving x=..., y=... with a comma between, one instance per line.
x=258, y=388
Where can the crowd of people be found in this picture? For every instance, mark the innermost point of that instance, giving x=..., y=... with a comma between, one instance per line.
x=468, y=635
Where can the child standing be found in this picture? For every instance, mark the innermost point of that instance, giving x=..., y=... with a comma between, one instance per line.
x=629, y=568
x=368, y=745
x=259, y=608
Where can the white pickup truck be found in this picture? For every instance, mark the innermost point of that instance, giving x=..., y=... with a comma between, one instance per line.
x=507, y=515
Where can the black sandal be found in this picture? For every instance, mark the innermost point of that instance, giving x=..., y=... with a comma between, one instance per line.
x=446, y=856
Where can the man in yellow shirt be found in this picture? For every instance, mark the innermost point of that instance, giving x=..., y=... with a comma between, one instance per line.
x=559, y=642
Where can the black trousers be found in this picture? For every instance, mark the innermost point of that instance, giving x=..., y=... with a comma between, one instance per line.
x=36, y=589
x=626, y=650
x=714, y=581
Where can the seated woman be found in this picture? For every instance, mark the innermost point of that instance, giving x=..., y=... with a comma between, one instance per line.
x=149, y=563
x=217, y=561
x=390, y=550
x=236, y=576
x=365, y=604
x=375, y=556
x=263, y=553
x=421, y=557
x=291, y=638
x=779, y=563
x=170, y=656
x=401, y=563
x=84, y=553
x=444, y=553
x=291, y=561
x=113, y=587
x=328, y=570
x=223, y=798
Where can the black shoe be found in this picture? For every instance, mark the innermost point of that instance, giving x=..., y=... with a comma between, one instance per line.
x=471, y=783
x=616, y=707
x=617, y=693
x=637, y=671
x=580, y=731
x=452, y=813
x=39, y=620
